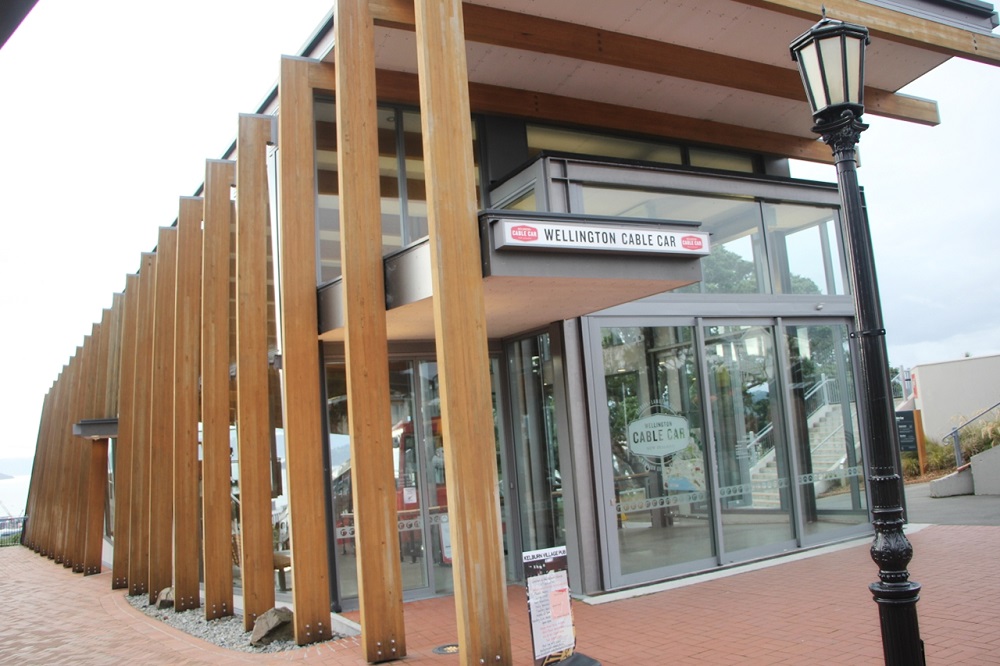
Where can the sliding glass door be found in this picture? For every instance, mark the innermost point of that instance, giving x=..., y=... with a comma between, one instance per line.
x=718, y=441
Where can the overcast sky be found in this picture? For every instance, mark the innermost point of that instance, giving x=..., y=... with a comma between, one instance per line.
x=110, y=109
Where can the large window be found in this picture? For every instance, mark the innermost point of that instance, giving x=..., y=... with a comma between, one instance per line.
x=401, y=185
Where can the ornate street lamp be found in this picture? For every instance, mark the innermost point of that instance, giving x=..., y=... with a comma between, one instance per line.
x=831, y=58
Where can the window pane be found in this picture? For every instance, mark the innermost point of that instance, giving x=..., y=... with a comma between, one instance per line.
x=536, y=449
x=823, y=413
x=720, y=159
x=806, y=253
x=560, y=140
x=656, y=450
x=749, y=437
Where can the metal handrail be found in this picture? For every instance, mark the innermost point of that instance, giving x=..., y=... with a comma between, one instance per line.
x=956, y=439
x=758, y=448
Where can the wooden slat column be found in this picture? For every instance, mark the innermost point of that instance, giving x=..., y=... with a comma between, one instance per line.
x=138, y=561
x=56, y=527
x=123, y=445
x=220, y=176
x=187, y=360
x=97, y=476
x=380, y=585
x=304, y=434
x=111, y=390
x=460, y=331
x=38, y=473
x=75, y=459
x=252, y=408
x=161, y=442
x=42, y=516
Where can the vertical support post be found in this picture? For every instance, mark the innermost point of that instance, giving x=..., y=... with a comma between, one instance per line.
x=96, y=486
x=187, y=327
x=123, y=445
x=97, y=476
x=918, y=423
x=29, y=537
x=956, y=442
x=460, y=330
x=220, y=176
x=252, y=422
x=47, y=501
x=138, y=556
x=304, y=434
x=380, y=585
x=80, y=455
x=161, y=442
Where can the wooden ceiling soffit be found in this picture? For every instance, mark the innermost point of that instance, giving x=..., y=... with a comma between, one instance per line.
x=402, y=87
x=542, y=35
x=895, y=26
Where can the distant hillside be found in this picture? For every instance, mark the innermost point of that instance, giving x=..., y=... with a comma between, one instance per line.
x=4, y=476
x=15, y=467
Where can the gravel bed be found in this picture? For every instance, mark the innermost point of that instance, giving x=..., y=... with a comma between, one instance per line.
x=226, y=632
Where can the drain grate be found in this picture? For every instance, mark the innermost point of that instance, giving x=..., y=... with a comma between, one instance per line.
x=450, y=648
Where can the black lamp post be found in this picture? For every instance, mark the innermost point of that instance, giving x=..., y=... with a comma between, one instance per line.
x=831, y=58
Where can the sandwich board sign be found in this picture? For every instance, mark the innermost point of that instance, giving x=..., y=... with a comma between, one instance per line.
x=552, y=635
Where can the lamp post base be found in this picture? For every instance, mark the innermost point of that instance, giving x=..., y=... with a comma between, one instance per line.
x=897, y=612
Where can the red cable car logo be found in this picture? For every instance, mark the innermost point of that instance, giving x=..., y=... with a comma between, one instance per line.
x=524, y=232
x=692, y=243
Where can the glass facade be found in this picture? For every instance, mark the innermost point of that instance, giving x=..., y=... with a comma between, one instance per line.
x=401, y=182
x=722, y=422
x=420, y=479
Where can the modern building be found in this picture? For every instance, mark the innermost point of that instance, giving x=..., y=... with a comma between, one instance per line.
x=495, y=278
x=950, y=393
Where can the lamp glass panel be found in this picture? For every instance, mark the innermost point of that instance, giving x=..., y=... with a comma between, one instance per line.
x=852, y=58
x=813, y=75
x=831, y=51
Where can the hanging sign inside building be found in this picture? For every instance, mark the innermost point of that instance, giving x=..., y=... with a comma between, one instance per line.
x=552, y=633
x=658, y=435
x=643, y=238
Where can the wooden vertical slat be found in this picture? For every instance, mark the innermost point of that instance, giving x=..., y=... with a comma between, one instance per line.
x=380, y=586
x=97, y=475
x=161, y=442
x=187, y=329
x=114, y=357
x=303, y=423
x=220, y=176
x=47, y=503
x=78, y=464
x=138, y=562
x=460, y=332
x=123, y=445
x=253, y=426
x=47, y=508
x=37, y=466
x=81, y=447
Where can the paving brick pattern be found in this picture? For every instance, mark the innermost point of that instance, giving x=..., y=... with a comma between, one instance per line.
x=809, y=611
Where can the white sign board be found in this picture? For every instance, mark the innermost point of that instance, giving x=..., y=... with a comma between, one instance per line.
x=582, y=237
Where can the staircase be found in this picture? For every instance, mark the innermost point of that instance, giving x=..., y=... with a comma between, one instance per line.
x=829, y=454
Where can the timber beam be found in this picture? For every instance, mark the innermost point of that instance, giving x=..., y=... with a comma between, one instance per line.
x=498, y=27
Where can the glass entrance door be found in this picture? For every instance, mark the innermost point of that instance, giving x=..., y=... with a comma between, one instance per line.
x=721, y=441
x=744, y=394
x=652, y=457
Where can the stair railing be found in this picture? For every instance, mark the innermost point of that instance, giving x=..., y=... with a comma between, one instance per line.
x=955, y=434
x=822, y=393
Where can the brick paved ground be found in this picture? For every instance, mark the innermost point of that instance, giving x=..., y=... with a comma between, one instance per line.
x=807, y=611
